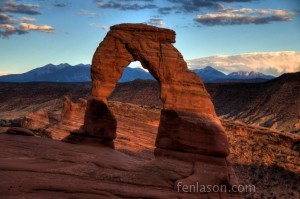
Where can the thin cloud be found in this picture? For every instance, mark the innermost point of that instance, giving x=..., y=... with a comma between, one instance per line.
x=188, y=6
x=61, y=5
x=166, y=10
x=126, y=5
x=99, y=26
x=237, y=19
x=125, y=1
x=86, y=12
x=275, y=12
x=6, y=19
x=6, y=30
x=7, y=27
x=13, y=7
x=192, y=6
x=231, y=1
x=104, y=27
x=274, y=63
x=231, y=16
x=156, y=21
x=33, y=27
x=27, y=19
x=222, y=9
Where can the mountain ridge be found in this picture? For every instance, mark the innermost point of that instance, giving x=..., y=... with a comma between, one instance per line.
x=249, y=75
x=81, y=73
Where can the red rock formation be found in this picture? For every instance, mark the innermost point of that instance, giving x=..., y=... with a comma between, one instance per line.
x=188, y=119
x=36, y=120
x=73, y=112
x=72, y=116
x=189, y=128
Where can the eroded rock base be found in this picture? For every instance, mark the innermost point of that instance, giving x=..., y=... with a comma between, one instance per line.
x=99, y=121
x=192, y=133
x=208, y=170
x=86, y=139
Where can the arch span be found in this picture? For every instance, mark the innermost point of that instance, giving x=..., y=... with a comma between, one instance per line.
x=188, y=120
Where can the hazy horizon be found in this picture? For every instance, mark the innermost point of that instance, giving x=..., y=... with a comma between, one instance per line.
x=137, y=64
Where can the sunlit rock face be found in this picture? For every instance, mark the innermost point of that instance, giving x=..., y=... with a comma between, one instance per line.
x=188, y=119
x=36, y=120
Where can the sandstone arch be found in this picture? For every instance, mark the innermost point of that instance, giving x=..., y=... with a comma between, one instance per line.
x=188, y=120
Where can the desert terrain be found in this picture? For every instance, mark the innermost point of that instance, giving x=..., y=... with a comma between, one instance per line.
x=264, y=157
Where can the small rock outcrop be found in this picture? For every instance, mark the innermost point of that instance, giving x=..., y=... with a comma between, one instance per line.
x=36, y=120
x=72, y=116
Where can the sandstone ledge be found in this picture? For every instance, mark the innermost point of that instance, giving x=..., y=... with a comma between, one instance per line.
x=33, y=167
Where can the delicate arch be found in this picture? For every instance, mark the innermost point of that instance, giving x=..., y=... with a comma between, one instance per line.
x=188, y=120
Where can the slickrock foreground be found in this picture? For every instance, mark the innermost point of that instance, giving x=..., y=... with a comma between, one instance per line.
x=44, y=168
x=269, y=160
x=41, y=168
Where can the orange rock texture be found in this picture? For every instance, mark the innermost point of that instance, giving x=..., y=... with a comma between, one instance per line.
x=35, y=120
x=188, y=120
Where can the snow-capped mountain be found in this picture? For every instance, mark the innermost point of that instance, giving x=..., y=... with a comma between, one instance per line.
x=248, y=75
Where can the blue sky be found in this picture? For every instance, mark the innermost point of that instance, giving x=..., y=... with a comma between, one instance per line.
x=34, y=33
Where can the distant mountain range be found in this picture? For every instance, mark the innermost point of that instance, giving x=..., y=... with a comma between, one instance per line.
x=249, y=75
x=211, y=75
x=81, y=73
x=67, y=73
x=52, y=73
